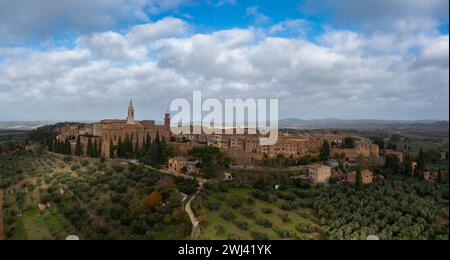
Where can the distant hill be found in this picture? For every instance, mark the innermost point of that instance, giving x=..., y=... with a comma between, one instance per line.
x=22, y=125
x=357, y=123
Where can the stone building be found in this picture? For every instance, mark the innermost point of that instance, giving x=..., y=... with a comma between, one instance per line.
x=319, y=173
x=178, y=164
x=113, y=130
x=366, y=176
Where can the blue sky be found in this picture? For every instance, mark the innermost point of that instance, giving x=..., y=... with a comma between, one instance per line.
x=83, y=60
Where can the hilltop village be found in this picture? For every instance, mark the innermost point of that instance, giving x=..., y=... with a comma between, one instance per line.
x=321, y=155
x=132, y=179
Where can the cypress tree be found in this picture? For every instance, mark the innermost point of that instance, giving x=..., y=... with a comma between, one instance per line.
x=358, y=180
x=111, y=148
x=89, y=148
x=99, y=150
x=136, y=149
x=325, y=151
x=408, y=166
x=421, y=162
x=439, y=177
x=95, y=149
x=78, y=148
x=119, y=148
x=148, y=142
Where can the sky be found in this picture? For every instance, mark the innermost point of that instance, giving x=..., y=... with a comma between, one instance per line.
x=71, y=60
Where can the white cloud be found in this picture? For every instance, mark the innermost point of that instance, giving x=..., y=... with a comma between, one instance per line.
x=24, y=20
x=342, y=74
x=298, y=27
x=225, y=2
x=258, y=17
x=165, y=28
x=403, y=15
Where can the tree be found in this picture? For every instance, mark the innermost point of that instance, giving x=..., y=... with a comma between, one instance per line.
x=167, y=183
x=154, y=199
x=408, y=170
x=420, y=163
x=90, y=148
x=325, y=151
x=67, y=147
x=119, y=148
x=78, y=147
x=148, y=142
x=99, y=149
x=358, y=179
x=95, y=149
x=349, y=142
x=378, y=141
x=439, y=177
x=111, y=149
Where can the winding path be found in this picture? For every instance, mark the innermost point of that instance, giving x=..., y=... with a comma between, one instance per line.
x=192, y=217
x=188, y=207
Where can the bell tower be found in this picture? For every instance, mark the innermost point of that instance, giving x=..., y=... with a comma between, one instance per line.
x=167, y=120
x=130, y=118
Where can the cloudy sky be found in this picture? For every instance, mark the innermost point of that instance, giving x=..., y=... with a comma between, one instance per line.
x=84, y=60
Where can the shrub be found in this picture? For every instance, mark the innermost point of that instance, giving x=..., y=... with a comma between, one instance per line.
x=288, y=206
x=108, y=171
x=220, y=230
x=228, y=215
x=251, y=201
x=75, y=167
x=284, y=233
x=242, y=225
x=259, y=236
x=264, y=222
x=233, y=237
x=266, y=210
x=305, y=228
x=285, y=218
x=248, y=212
x=84, y=163
x=91, y=170
x=67, y=159
x=213, y=205
x=118, y=168
x=154, y=199
x=235, y=202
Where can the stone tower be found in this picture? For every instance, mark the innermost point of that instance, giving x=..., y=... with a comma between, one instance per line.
x=167, y=121
x=130, y=118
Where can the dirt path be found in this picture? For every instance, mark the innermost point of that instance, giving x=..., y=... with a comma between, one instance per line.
x=192, y=217
x=2, y=236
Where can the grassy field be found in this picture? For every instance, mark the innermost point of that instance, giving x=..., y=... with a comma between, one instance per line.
x=216, y=227
x=42, y=225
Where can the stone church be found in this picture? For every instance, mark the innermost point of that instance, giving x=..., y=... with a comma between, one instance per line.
x=111, y=130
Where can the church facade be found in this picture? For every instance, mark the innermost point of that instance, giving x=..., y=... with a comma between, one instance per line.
x=113, y=130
